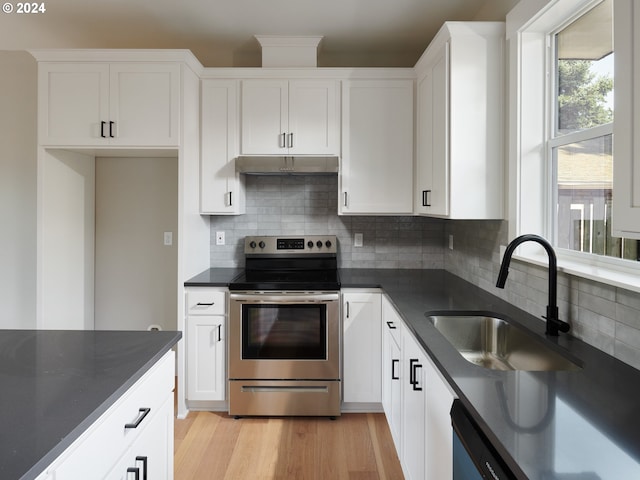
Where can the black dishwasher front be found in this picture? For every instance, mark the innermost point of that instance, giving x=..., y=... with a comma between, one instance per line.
x=474, y=458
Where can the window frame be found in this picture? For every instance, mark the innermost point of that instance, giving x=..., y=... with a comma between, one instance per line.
x=530, y=28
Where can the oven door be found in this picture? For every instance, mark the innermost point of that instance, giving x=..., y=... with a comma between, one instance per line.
x=284, y=336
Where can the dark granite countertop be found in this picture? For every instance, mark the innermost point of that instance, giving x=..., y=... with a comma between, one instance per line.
x=214, y=277
x=55, y=384
x=547, y=425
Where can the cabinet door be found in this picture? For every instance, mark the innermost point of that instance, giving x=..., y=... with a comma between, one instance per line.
x=392, y=371
x=376, y=174
x=264, y=117
x=73, y=100
x=413, y=409
x=362, y=345
x=151, y=455
x=439, y=438
x=313, y=117
x=432, y=161
x=206, y=368
x=221, y=188
x=145, y=104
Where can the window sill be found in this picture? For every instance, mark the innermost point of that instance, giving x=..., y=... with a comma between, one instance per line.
x=610, y=271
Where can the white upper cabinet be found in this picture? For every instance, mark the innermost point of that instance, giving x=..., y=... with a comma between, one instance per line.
x=221, y=187
x=290, y=117
x=376, y=173
x=459, y=123
x=626, y=128
x=102, y=104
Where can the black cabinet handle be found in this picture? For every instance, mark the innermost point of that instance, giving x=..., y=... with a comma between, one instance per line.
x=111, y=129
x=144, y=466
x=347, y=309
x=205, y=304
x=283, y=143
x=425, y=198
x=142, y=412
x=391, y=326
x=393, y=369
x=345, y=199
x=230, y=199
x=219, y=333
x=413, y=367
x=102, y=125
x=135, y=471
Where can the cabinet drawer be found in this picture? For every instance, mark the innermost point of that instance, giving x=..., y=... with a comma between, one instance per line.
x=97, y=450
x=206, y=302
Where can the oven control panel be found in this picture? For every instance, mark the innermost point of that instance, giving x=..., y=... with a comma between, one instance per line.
x=282, y=245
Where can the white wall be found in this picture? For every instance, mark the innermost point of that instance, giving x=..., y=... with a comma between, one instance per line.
x=135, y=273
x=18, y=89
x=66, y=240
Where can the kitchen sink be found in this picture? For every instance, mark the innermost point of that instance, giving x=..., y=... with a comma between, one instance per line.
x=495, y=343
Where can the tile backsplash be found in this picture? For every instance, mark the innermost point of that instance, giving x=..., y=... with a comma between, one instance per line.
x=297, y=205
x=602, y=315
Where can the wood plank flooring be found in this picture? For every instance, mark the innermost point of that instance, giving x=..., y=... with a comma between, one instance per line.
x=355, y=446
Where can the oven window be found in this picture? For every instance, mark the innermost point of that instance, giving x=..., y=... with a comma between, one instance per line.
x=284, y=332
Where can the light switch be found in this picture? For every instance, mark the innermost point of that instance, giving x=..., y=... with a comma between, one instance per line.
x=168, y=239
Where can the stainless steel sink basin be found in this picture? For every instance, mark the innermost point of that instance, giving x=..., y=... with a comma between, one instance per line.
x=496, y=344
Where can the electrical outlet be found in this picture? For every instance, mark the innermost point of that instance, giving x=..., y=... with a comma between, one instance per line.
x=220, y=238
x=450, y=242
x=357, y=240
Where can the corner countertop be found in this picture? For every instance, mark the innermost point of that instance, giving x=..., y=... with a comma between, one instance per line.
x=56, y=383
x=546, y=425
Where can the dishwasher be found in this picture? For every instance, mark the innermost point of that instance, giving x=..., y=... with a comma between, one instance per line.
x=474, y=458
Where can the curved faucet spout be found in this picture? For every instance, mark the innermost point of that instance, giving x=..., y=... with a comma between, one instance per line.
x=554, y=324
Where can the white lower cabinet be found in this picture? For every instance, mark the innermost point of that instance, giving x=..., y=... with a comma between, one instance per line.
x=416, y=401
x=138, y=426
x=147, y=457
x=439, y=438
x=362, y=347
x=414, y=409
x=392, y=370
x=206, y=344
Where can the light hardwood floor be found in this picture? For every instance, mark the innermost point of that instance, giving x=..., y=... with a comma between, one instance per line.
x=355, y=446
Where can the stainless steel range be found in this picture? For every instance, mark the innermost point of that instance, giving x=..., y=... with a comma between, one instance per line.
x=284, y=328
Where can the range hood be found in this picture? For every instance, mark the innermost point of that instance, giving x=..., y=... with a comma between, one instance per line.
x=274, y=165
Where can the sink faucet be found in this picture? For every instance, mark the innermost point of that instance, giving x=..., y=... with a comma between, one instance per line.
x=554, y=324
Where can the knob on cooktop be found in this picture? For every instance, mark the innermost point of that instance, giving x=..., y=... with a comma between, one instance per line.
x=310, y=244
x=319, y=244
x=262, y=244
x=327, y=243
x=252, y=244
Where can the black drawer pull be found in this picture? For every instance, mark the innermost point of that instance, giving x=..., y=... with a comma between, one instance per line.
x=393, y=369
x=204, y=304
x=144, y=466
x=111, y=129
x=391, y=326
x=102, y=125
x=135, y=471
x=142, y=412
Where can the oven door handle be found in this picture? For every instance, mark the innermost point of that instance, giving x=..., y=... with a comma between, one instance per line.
x=286, y=298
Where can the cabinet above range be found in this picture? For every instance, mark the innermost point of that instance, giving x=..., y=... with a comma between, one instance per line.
x=290, y=117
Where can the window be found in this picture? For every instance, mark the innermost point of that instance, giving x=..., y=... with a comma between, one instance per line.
x=580, y=146
x=561, y=117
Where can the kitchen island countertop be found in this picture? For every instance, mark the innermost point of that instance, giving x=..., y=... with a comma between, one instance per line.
x=56, y=383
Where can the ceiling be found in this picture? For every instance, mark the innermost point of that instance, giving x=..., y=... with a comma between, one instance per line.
x=221, y=32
